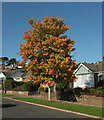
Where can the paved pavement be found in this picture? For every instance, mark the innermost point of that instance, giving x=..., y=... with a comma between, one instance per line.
x=15, y=109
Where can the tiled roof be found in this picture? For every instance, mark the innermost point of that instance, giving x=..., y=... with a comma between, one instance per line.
x=18, y=73
x=26, y=75
x=95, y=67
x=8, y=73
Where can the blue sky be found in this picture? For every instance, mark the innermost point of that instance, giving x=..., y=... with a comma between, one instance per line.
x=85, y=19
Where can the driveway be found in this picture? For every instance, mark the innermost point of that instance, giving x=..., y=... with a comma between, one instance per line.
x=15, y=109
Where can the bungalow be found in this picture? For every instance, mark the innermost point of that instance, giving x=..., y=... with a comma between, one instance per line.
x=17, y=76
x=89, y=74
x=2, y=76
x=6, y=74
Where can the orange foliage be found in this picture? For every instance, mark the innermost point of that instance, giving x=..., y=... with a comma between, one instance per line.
x=48, y=51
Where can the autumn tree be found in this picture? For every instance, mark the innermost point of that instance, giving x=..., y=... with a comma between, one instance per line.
x=48, y=51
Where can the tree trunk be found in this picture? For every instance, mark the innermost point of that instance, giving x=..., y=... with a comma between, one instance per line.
x=49, y=93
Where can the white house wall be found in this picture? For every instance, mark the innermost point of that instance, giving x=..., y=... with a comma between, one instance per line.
x=85, y=78
x=82, y=70
x=2, y=76
x=17, y=79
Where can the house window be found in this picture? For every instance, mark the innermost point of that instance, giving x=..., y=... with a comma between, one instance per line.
x=82, y=79
x=17, y=79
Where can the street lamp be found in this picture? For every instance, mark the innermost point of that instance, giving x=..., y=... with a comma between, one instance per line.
x=2, y=84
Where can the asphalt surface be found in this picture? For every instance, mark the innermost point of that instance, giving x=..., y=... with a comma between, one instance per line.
x=15, y=109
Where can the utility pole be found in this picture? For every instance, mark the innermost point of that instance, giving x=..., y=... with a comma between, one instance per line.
x=2, y=84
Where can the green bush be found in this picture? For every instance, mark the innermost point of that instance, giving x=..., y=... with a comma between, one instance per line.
x=44, y=89
x=98, y=92
x=91, y=91
x=9, y=84
x=41, y=88
x=19, y=88
x=102, y=92
x=62, y=85
x=28, y=86
x=36, y=86
x=100, y=83
x=68, y=94
x=19, y=83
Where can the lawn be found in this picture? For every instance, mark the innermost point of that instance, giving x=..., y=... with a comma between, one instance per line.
x=96, y=111
x=7, y=95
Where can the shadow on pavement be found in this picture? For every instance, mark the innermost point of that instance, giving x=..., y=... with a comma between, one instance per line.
x=7, y=105
x=50, y=119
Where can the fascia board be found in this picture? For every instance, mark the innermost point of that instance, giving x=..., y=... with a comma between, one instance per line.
x=77, y=68
x=83, y=66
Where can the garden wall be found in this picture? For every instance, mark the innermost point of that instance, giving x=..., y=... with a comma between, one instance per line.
x=91, y=100
x=84, y=99
x=43, y=95
x=20, y=93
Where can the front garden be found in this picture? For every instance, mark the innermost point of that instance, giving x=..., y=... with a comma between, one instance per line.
x=96, y=111
x=20, y=86
x=91, y=96
x=64, y=92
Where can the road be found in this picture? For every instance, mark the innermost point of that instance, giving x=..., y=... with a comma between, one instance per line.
x=15, y=109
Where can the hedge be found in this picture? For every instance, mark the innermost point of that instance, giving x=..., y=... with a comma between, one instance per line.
x=9, y=84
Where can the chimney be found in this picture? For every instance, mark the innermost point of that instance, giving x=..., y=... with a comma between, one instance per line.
x=103, y=64
x=103, y=58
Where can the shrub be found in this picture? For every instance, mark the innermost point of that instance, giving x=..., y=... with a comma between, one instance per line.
x=68, y=94
x=91, y=91
x=19, y=88
x=99, y=92
x=62, y=85
x=28, y=86
x=45, y=89
x=19, y=83
x=100, y=83
x=41, y=88
x=36, y=86
x=77, y=91
x=9, y=84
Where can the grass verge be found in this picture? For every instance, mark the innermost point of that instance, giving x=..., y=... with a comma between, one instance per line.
x=96, y=111
x=7, y=95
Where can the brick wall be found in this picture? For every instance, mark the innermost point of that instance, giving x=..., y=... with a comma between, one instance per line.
x=84, y=99
x=20, y=93
x=43, y=95
x=91, y=100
